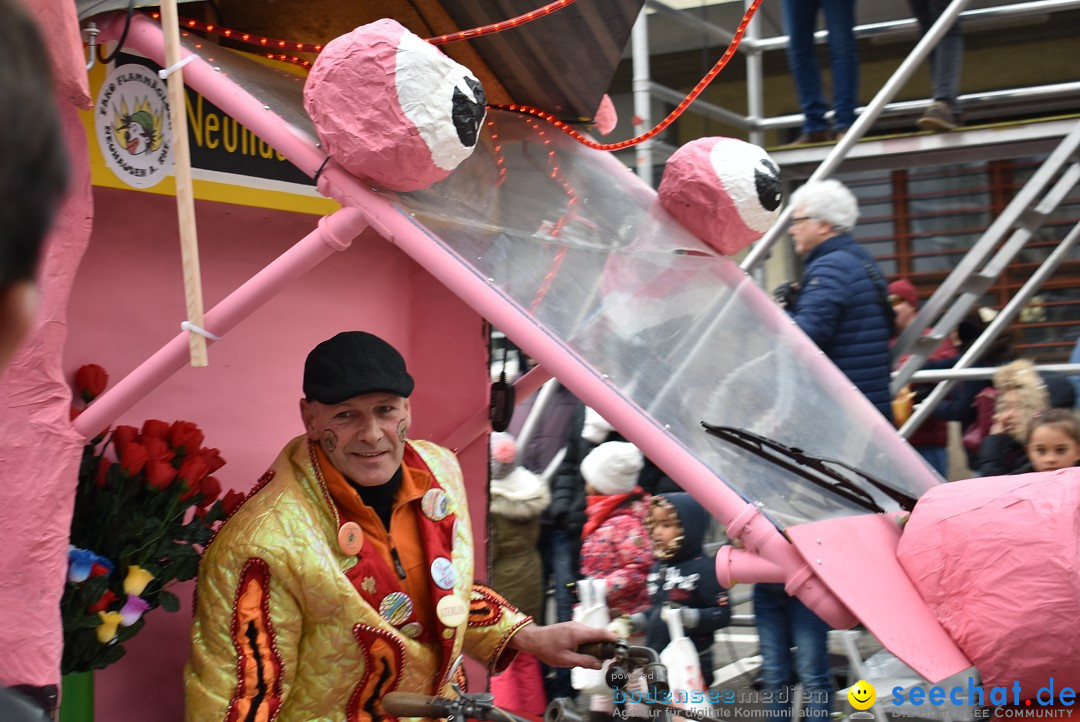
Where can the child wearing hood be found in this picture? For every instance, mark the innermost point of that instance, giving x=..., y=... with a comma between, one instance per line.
x=683, y=577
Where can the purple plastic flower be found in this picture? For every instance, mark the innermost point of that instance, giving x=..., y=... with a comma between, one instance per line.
x=133, y=609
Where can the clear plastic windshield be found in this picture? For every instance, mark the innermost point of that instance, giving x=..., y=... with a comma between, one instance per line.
x=578, y=242
x=575, y=239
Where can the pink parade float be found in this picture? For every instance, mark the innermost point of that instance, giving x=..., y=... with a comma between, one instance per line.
x=631, y=300
x=996, y=560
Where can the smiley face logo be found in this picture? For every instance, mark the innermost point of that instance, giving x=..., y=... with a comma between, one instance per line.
x=862, y=695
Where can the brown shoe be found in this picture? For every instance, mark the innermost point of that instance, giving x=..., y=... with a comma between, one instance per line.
x=938, y=117
x=812, y=136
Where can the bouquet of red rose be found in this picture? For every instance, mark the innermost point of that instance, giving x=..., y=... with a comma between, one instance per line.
x=146, y=505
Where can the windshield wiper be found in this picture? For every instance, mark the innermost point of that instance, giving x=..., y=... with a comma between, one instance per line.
x=814, y=469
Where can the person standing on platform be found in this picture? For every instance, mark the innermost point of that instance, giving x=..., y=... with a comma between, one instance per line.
x=800, y=20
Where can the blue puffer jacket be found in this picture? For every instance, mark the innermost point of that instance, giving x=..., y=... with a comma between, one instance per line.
x=839, y=308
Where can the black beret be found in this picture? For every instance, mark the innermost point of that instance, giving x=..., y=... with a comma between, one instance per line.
x=354, y=363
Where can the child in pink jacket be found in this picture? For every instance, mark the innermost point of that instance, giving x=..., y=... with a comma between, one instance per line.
x=615, y=543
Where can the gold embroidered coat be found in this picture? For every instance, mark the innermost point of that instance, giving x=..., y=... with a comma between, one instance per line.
x=280, y=628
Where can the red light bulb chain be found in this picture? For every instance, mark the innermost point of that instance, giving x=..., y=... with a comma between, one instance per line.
x=280, y=46
x=690, y=98
x=568, y=213
x=289, y=46
x=501, y=25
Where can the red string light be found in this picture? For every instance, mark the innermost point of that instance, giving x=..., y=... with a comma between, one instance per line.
x=225, y=32
x=500, y=160
x=569, y=212
x=248, y=38
x=690, y=98
x=317, y=48
x=495, y=28
x=501, y=25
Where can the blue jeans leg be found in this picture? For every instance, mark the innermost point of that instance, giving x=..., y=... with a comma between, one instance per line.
x=937, y=457
x=947, y=58
x=774, y=635
x=562, y=553
x=800, y=20
x=843, y=59
x=564, y=571
x=811, y=636
x=784, y=622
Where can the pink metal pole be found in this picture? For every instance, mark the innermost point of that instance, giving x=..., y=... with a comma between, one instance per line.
x=558, y=358
x=767, y=554
x=763, y=539
x=334, y=233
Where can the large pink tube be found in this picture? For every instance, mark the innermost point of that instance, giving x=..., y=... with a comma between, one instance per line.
x=334, y=233
x=657, y=443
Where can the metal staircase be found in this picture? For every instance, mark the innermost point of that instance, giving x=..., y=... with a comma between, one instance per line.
x=1002, y=241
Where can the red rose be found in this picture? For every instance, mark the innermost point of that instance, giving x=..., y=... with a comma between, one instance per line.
x=152, y=428
x=98, y=570
x=159, y=474
x=103, y=603
x=122, y=436
x=210, y=488
x=231, y=502
x=133, y=458
x=184, y=436
x=74, y=413
x=157, y=449
x=102, y=480
x=213, y=459
x=90, y=381
x=192, y=471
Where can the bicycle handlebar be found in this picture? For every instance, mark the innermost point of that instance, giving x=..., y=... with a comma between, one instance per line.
x=478, y=706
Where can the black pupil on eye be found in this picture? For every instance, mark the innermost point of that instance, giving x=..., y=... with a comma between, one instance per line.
x=767, y=184
x=467, y=113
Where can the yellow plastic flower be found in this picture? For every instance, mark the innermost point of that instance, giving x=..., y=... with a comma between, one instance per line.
x=106, y=631
x=136, y=580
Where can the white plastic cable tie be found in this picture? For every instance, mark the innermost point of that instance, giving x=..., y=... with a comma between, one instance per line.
x=166, y=72
x=189, y=326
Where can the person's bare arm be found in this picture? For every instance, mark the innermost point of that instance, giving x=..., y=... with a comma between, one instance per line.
x=557, y=644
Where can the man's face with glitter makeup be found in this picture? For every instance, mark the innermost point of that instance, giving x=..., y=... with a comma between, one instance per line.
x=364, y=437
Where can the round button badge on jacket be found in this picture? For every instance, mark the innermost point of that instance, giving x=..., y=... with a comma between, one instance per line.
x=350, y=537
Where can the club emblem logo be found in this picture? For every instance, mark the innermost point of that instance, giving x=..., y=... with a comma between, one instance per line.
x=131, y=119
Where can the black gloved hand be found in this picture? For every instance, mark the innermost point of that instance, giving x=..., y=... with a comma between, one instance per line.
x=785, y=294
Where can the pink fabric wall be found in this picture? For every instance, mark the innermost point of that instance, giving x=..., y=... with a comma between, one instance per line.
x=128, y=301
x=40, y=451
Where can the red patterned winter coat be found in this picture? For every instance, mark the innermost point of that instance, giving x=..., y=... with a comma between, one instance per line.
x=615, y=546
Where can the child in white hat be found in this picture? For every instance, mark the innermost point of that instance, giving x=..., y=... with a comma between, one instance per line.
x=615, y=543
